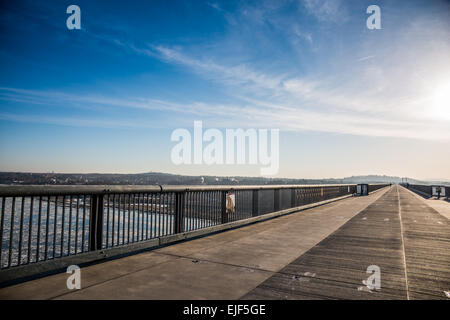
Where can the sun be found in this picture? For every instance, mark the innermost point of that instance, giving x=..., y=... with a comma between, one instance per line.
x=441, y=102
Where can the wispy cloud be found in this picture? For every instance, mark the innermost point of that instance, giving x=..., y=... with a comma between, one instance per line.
x=236, y=74
x=250, y=112
x=366, y=58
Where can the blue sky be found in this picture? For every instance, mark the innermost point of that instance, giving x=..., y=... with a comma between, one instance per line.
x=106, y=98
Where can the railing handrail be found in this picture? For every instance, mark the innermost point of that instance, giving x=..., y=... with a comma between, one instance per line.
x=43, y=190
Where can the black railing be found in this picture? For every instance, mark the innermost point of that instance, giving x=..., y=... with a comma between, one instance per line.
x=427, y=189
x=417, y=187
x=42, y=223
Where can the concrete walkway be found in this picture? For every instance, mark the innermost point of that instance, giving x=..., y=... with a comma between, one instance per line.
x=319, y=253
x=226, y=265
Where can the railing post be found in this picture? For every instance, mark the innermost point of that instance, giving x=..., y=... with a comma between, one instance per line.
x=293, y=198
x=255, y=205
x=223, y=197
x=179, y=212
x=96, y=223
x=276, y=199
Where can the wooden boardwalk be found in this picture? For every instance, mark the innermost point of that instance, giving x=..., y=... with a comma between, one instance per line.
x=408, y=240
x=319, y=253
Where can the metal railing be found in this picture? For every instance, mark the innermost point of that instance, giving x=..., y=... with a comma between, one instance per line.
x=42, y=223
x=426, y=189
x=418, y=187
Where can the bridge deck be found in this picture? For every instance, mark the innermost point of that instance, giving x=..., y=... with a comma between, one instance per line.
x=321, y=253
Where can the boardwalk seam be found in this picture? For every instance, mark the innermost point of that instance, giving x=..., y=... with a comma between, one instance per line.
x=403, y=243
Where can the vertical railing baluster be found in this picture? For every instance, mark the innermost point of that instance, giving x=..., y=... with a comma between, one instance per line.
x=164, y=215
x=255, y=206
x=138, y=214
x=113, y=229
x=192, y=210
x=19, y=258
x=151, y=213
x=84, y=224
x=147, y=216
x=107, y=222
x=2, y=221
x=217, y=207
x=208, y=207
x=96, y=215
x=276, y=199
x=129, y=217
x=166, y=207
x=62, y=225
x=11, y=232
x=30, y=224
x=69, y=236
x=38, y=245
x=224, y=218
x=155, y=215
x=77, y=223
x=123, y=219
x=133, y=239
x=187, y=213
x=202, y=208
x=159, y=215
x=142, y=217
x=47, y=227
x=55, y=223
x=198, y=209
x=293, y=198
x=179, y=212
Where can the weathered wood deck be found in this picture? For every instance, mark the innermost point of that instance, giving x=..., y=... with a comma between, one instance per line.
x=320, y=253
x=407, y=239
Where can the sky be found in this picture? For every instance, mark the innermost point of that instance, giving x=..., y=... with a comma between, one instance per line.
x=347, y=100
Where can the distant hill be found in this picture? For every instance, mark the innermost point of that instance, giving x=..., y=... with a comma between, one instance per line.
x=155, y=178
x=380, y=179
